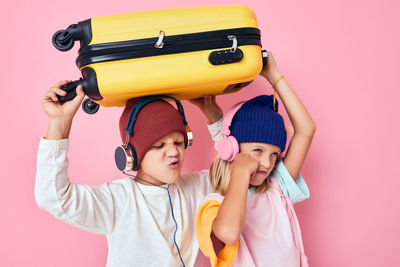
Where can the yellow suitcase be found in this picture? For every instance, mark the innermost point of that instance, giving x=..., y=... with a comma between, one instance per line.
x=183, y=52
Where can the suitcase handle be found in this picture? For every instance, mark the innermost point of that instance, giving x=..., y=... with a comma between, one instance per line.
x=70, y=88
x=264, y=56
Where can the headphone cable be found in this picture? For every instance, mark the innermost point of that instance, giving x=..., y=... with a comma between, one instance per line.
x=172, y=211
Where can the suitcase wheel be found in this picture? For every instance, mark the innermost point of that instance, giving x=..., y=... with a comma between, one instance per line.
x=89, y=106
x=62, y=40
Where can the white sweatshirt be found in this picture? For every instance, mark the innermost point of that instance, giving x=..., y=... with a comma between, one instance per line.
x=135, y=218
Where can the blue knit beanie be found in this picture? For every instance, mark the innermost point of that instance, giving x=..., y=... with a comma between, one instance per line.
x=256, y=121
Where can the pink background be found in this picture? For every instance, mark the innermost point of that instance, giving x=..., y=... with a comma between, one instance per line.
x=342, y=59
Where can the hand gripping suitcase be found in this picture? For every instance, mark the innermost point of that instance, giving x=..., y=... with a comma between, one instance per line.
x=184, y=52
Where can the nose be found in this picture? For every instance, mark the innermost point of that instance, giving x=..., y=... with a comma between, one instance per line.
x=172, y=150
x=265, y=161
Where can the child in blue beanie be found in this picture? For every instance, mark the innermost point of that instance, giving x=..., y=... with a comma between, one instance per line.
x=250, y=220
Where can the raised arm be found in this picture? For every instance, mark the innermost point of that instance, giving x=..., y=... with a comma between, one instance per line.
x=304, y=126
x=88, y=207
x=209, y=107
x=60, y=114
x=228, y=224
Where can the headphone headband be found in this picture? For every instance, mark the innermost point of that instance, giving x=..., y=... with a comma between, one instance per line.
x=141, y=103
x=228, y=147
x=226, y=123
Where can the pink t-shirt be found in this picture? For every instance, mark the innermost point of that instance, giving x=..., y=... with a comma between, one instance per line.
x=271, y=234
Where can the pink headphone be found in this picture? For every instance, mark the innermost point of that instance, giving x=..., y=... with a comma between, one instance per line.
x=228, y=147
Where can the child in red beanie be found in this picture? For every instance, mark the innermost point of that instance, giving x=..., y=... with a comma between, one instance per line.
x=148, y=220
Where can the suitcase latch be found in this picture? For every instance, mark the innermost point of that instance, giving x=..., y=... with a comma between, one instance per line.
x=160, y=43
x=234, y=45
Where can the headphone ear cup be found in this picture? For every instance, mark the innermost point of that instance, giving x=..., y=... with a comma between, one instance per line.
x=228, y=148
x=121, y=158
x=189, y=136
x=125, y=158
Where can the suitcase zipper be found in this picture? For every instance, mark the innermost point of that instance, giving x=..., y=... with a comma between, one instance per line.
x=171, y=45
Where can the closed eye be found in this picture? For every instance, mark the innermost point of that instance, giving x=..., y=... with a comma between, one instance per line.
x=159, y=146
x=178, y=143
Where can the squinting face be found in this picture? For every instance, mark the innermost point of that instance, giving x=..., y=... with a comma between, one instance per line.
x=266, y=155
x=162, y=163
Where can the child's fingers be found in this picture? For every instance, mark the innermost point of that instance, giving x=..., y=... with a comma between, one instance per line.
x=80, y=95
x=58, y=91
x=50, y=95
x=79, y=89
x=214, y=99
x=197, y=101
x=207, y=99
x=271, y=58
x=61, y=92
x=61, y=83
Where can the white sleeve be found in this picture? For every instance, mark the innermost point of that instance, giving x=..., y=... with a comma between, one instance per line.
x=88, y=207
x=215, y=131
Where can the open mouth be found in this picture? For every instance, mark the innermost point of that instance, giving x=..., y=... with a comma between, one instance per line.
x=174, y=164
x=262, y=172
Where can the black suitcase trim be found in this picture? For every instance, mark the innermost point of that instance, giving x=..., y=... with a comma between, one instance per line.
x=172, y=45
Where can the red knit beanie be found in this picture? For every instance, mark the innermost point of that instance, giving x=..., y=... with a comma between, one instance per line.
x=154, y=121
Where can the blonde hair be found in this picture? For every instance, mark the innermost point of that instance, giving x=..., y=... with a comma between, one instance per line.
x=220, y=176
